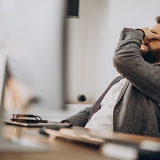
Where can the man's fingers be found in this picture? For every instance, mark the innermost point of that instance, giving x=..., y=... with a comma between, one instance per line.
x=155, y=36
x=149, y=34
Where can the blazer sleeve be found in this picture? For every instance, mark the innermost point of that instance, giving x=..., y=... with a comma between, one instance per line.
x=79, y=119
x=130, y=64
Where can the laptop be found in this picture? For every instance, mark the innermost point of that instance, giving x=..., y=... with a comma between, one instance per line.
x=13, y=144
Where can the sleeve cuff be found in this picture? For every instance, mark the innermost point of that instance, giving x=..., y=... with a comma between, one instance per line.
x=142, y=32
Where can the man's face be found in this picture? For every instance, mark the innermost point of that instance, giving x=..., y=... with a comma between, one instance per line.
x=150, y=49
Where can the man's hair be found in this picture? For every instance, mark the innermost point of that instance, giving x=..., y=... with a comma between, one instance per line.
x=158, y=19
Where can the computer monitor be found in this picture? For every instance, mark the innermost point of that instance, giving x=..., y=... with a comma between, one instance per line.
x=33, y=34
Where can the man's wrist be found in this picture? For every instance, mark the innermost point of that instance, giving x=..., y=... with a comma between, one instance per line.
x=65, y=121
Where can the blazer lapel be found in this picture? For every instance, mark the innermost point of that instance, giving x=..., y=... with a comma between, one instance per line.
x=122, y=91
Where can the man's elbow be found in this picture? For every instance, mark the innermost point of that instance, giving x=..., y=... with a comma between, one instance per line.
x=119, y=65
x=116, y=61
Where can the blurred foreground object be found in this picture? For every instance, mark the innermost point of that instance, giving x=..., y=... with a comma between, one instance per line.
x=145, y=150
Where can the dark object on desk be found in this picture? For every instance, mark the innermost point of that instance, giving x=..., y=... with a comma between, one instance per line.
x=54, y=127
x=81, y=98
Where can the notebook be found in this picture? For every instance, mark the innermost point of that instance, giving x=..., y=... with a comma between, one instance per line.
x=49, y=123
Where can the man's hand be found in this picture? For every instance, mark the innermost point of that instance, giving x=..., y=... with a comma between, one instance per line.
x=149, y=34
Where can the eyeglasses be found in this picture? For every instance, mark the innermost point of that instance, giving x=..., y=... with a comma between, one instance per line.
x=27, y=118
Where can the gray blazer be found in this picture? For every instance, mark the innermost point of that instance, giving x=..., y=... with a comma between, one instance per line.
x=137, y=110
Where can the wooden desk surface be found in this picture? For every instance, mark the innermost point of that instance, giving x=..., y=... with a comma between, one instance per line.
x=61, y=150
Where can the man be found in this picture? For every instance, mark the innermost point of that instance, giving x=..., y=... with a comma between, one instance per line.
x=131, y=103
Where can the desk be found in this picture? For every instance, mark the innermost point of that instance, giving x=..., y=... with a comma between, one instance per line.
x=60, y=150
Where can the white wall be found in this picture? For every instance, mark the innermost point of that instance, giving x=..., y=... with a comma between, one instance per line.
x=92, y=39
